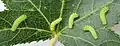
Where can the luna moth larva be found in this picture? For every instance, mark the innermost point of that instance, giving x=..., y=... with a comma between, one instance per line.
x=54, y=23
x=18, y=21
x=92, y=30
x=71, y=19
x=102, y=15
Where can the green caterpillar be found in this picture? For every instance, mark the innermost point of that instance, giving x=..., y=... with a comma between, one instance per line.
x=102, y=15
x=54, y=23
x=18, y=21
x=91, y=29
x=71, y=19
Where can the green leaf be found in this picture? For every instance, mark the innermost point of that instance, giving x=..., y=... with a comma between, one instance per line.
x=89, y=11
x=42, y=12
x=35, y=27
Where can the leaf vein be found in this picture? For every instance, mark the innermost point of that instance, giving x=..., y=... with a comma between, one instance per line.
x=39, y=12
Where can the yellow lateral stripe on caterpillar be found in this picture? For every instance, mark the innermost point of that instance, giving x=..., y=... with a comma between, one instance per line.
x=102, y=15
x=91, y=29
x=71, y=19
x=54, y=23
x=18, y=21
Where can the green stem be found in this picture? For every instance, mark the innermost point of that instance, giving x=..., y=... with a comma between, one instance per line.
x=53, y=40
